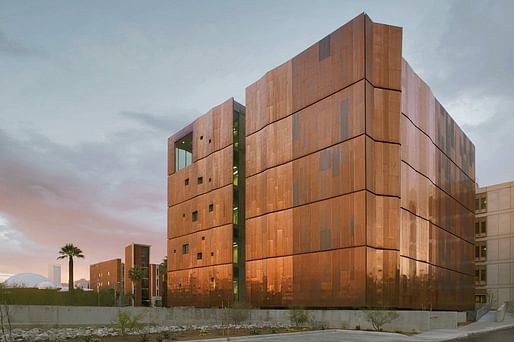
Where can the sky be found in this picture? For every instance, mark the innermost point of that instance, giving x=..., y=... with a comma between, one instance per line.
x=90, y=91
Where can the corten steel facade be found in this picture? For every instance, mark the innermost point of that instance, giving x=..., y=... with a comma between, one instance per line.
x=206, y=209
x=359, y=185
x=107, y=275
x=137, y=255
x=494, y=248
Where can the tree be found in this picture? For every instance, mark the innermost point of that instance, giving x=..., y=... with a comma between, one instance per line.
x=135, y=275
x=69, y=251
x=163, y=271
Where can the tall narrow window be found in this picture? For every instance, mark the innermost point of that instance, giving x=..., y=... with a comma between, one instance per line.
x=185, y=248
x=184, y=152
x=194, y=216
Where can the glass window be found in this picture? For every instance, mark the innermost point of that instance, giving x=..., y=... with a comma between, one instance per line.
x=184, y=152
x=185, y=248
x=211, y=207
x=199, y=256
x=194, y=216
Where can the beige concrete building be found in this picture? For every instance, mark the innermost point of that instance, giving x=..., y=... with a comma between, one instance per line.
x=494, y=244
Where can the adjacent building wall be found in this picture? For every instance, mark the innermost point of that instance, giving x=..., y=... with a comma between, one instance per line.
x=494, y=251
x=106, y=275
x=137, y=255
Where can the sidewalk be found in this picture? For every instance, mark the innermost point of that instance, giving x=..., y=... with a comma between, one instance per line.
x=487, y=324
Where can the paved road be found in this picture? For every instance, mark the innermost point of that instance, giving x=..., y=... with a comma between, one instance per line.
x=506, y=335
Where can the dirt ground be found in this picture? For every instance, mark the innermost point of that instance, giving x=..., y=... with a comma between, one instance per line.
x=196, y=334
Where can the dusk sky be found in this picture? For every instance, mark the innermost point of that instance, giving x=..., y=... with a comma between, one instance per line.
x=90, y=91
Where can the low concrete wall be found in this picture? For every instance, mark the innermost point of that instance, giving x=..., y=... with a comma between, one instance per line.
x=68, y=316
x=500, y=312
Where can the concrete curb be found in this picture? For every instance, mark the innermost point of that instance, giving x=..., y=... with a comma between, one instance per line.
x=480, y=332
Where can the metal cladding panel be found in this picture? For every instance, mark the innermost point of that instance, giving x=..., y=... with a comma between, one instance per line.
x=426, y=113
x=414, y=237
x=269, y=147
x=269, y=99
x=215, y=171
x=422, y=198
x=383, y=221
x=213, y=131
x=383, y=55
x=382, y=168
x=330, y=224
x=201, y=287
x=215, y=246
x=335, y=278
x=317, y=74
x=332, y=120
x=269, y=282
x=180, y=216
x=269, y=191
x=382, y=286
x=337, y=170
x=451, y=290
x=270, y=235
x=383, y=114
x=450, y=252
x=415, y=291
x=423, y=156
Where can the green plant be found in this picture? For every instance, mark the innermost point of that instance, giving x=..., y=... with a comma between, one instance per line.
x=298, y=316
x=135, y=275
x=125, y=321
x=204, y=332
x=378, y=318
x=69, y=251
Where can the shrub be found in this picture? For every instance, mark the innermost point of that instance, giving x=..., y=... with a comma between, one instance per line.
x=378, y=318
x=298, y=316
x=91, y=338
x=125, y=321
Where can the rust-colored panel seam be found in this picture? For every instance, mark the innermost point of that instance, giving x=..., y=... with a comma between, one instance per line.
x=323, y=199
x=306, y=106
x=437, y=186
x=198, y=195
x=200, y=230
x=312, y=252
x=436, y=225
x=196, y=267
x=438, y=266
x=322, y=149
x=464, y=172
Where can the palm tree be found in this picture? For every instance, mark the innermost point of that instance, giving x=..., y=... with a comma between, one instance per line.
x=69, y=251
x=163, y=271
x=135, y=275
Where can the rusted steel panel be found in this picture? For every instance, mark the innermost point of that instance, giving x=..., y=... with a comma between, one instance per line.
x=451, y=252
x=203, y=212
x=414, y=237
x=335, y=278
x=383, y=221
x=451, y=290
x=383, y=114
x=333, y=223
x=215, y=246
x=382, y=168
x=331, y=172
x=270, y=235
x=269, y=282
x=201, y=287
x=269, y=147
x=316, y=75
x=215, y=171
x=332, y=120
x=383, y=55
x=269, y=191
x=269, y=99
x=415, y=284
x=382, y=285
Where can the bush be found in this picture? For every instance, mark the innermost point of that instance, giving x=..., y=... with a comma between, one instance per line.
x=298, y=316
x=378, y=318
x=125, y=321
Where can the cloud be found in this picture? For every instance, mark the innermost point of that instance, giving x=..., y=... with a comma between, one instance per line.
x=14, y=48
x=100, y=196
x=163, y=123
